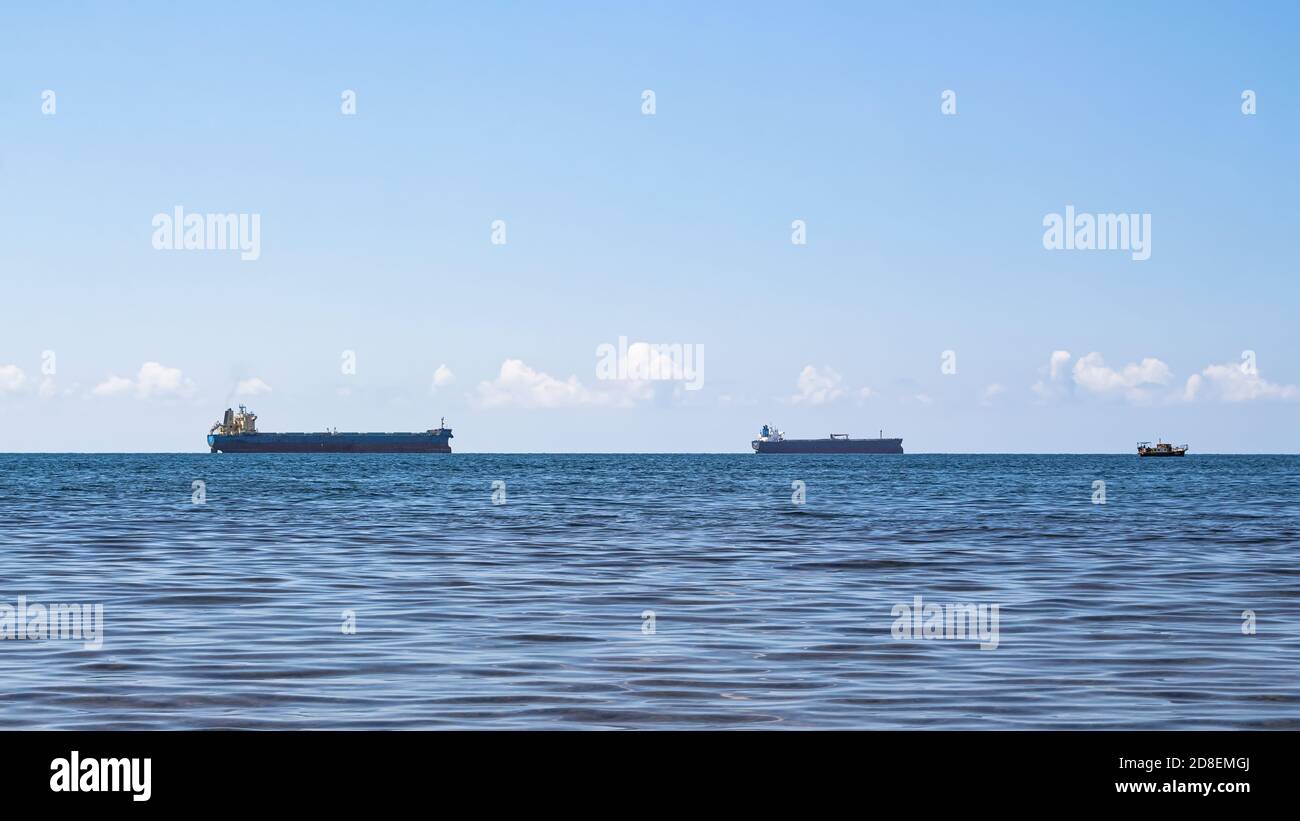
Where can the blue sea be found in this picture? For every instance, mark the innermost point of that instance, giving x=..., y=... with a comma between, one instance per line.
x=653, y=591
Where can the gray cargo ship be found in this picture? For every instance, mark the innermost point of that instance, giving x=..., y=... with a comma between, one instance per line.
x=238, y=433
x=771, y=440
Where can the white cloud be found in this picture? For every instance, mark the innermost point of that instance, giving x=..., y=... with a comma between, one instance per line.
x=158, y=380
x=112, y=386
x=521, y=386
x=1056, y=364
x=1146, y=381
x=12, y=379
x=989, y=392
x=47, y=388
x=1136, y=382
x=251, y=387
x=153, y=380
x=646, y=361
x=1054, y=386
x=1229, y=383
x=817, y=387
x=443, y=376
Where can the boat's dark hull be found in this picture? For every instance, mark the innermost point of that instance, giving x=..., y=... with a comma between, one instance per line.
x=1153, y=455
x=331, y=443
x=829, y=446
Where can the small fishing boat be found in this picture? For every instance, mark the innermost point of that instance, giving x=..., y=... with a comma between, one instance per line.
x=1160, y=449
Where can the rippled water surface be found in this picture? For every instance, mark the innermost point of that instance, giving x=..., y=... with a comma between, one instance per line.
x=767, y=614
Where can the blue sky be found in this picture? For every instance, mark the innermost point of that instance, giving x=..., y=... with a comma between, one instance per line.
x=924, y=230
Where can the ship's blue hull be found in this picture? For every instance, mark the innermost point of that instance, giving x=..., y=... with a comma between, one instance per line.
x=427, y=442
x=828, y=446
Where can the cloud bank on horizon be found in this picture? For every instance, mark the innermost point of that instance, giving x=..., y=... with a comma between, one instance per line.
x=1152, y=381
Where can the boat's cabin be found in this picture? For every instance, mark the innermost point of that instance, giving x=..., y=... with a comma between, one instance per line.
x=442, y=428
x=233, y=424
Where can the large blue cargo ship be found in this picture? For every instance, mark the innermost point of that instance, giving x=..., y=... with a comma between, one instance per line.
x=237, y=433
x=771, y=440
